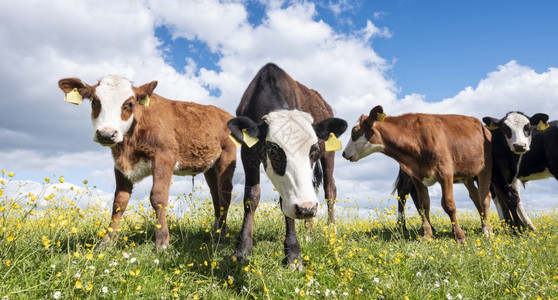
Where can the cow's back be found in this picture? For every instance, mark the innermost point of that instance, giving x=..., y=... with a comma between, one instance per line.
x=273, y=89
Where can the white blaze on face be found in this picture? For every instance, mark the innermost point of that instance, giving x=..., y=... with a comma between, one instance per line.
x=112, y=92
x=292, y=132
x=360, y=147
x=517, y=132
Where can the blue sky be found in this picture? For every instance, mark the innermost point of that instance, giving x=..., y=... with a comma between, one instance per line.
x=479, y=58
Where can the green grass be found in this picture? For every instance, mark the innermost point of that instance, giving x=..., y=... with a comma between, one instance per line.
x=48, y=249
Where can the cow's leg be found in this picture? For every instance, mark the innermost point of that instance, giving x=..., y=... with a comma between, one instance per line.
x=245, y=240
x=522, y=214
x=330, y=190
x=213, y=183
x=484, y=197
x=291, y=245
x=225, y=171
x=121, y=198
x=448, y=204
x=162, y=176
x=513, y=199
x=404, y=187
x=423, y=208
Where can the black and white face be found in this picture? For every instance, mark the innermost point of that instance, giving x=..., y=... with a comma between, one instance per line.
x=291, y=143
x=112, y=110
x=517, y=129
x=288, y=148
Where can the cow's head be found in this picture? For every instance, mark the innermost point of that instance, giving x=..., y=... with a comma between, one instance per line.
x=287, y=145
x=365, y=139
x=113, y=104
x=517, y=129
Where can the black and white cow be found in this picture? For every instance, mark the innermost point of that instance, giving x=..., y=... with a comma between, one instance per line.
x=275, y=132
x=521, y=151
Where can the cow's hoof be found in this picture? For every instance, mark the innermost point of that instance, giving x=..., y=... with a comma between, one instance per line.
x=487, y=232
x=298, y=266
x=161, y=247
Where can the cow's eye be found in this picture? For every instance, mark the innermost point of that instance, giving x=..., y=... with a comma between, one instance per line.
x=129, y=105
x=507, y=131
x=526, y=129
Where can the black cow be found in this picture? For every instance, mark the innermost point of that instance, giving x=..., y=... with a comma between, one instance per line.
x=520, y=153
x=283, y=124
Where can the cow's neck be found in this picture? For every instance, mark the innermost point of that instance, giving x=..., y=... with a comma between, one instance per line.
x=400, y=145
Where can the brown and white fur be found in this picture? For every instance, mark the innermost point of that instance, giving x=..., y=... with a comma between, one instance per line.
x=161, y=139
x=431, y=148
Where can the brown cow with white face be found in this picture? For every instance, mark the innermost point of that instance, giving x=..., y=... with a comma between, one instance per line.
x=431, y=148
x=151, y=135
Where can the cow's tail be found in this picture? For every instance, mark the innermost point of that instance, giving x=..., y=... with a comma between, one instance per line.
x=396, y=184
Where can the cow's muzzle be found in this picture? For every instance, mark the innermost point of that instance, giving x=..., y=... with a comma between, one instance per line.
x=520, y=148
x=306, y=210
x=106, y=137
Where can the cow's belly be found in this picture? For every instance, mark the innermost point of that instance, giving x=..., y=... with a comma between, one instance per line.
x=143, y=169
x=536, y=176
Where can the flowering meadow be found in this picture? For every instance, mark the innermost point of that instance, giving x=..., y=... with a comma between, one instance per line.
x=49, y=248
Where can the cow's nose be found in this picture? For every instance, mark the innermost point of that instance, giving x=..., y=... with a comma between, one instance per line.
x=519, y=147
x=106, y=136
x=306, y=210
x=345, y=155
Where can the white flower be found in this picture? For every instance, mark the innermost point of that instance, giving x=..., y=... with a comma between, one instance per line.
x=436, y=284
x=5, y=298
x=388, y=285
x=132, y=260
x=376, y=279
x=297, y=290
x=57, y=295
x=104, y=289
x=126, y=255
x=449, y=296
x=419, y=274
x=459, y=296
x=53, y=266
x=326, y=293
x=112, y=264
x=244, y=288
x=156, y=261
x=91, y=267
x=345, y=294
x=78, y=275
x=106, y=271
x=309, y=283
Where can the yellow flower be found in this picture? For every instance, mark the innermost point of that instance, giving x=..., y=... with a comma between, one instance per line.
x=10, y=238
x=138, y=288
x=74, y=230
x=78, y=284
x=47, y=179
x=89, y=287
x=76, y=254
x=11, y=174
x=85, y=181
x=89, y=255
x=61, y=179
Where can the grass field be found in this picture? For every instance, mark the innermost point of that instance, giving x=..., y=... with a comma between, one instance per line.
x=48, y=250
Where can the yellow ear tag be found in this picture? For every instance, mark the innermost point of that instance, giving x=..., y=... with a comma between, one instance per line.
x=542, y=126
x=237, y=143
x=73, y=97
x=248, y=139
x=381, y=117
x=144, y=101
x=492, y=126
x=332, y=143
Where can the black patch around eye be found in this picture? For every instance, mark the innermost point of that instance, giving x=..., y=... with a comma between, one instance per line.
x=507, y=131
x=277, y=158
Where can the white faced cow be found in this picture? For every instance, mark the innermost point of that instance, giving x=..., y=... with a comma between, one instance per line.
x=431, y=148
x=274, y=131
x=520, y=153
x=151, y=135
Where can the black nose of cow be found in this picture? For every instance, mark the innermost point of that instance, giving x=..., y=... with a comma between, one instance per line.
x=519, y=148
x=106, y=136
x=306, y=210
x=345, y=155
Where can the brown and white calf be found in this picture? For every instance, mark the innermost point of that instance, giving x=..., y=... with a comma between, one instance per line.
x=151, y=135
x=431, y=148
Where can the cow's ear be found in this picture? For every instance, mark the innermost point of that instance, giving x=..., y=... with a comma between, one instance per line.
x=536, y=118
x=491, y=123
x=145, y=91
x=330, y=125
x=75, y=85
x=244, y=130
x=376, y=115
